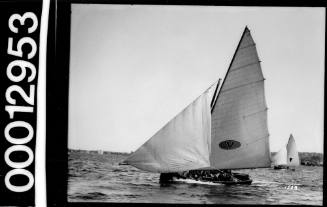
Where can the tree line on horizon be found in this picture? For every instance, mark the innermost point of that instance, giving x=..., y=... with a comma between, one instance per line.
x=306, y=158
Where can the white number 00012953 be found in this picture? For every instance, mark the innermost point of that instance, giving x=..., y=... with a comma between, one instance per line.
x=19, y=143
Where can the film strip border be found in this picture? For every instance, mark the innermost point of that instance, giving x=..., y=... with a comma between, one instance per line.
x=22, y=77
x=34, y=113
x=24, y=68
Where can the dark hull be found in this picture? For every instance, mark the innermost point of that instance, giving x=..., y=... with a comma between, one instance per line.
x=280, y=167
x=234, y=179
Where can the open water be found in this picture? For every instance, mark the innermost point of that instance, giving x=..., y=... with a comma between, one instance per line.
x=99, y=178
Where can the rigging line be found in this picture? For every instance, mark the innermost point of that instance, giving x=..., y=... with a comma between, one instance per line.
x=210, y=86
x=222, y=91
x=202, y=93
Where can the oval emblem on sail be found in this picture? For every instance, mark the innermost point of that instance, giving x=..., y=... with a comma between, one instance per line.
x=229, y=144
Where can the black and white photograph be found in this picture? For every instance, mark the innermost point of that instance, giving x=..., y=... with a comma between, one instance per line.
x=196, y=104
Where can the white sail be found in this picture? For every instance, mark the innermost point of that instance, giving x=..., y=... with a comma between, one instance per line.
x=182, y=144
x=280, y=158
x=292, y=153
x=233, y=136
x=240, y=137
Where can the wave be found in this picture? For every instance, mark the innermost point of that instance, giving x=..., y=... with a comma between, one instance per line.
x=92, y=178
x=90, y=196
x=190, y=181
x=119, y=170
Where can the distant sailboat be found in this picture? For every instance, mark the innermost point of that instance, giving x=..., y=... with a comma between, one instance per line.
x=279, y=160
x=225, y=131
x=287, y=156
x=292, y=153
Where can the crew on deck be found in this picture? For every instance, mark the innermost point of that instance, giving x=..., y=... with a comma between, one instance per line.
x=206, y=175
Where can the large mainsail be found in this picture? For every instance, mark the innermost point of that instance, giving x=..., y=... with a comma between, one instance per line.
x=292, y=153
x=240, y=137
x=182, y=144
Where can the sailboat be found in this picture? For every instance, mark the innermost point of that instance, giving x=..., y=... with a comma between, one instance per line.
x=292, y=153
x=287, y=156
x=226, y=130
x=279, y=160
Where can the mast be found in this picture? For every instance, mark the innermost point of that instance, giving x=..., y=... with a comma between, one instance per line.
x=230, y=64
x=214, y=98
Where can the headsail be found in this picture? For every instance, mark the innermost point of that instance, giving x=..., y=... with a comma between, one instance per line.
x=182, y=144
x=292, y=153
x=240, y=137
x=280, y=158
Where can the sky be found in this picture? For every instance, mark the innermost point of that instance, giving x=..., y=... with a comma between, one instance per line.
x=134, y=67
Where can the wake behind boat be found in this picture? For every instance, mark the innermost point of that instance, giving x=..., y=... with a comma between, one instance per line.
x=226, y=130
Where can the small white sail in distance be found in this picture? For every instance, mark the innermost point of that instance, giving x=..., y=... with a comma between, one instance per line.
x=292, y=153
x=280, y=158
x=233, y=136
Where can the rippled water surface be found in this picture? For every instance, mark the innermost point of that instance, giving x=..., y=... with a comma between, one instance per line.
x=99, y=178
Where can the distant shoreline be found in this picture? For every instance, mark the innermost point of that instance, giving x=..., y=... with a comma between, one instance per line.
x=306, y=158
x=99, y=152
x=309, y=158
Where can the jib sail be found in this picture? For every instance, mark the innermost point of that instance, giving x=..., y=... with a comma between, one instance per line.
x=182, y=144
